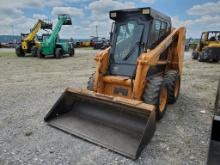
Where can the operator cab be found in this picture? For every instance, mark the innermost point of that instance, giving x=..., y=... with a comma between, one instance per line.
x=210, y=36
x=133, y=32
x=43, y=37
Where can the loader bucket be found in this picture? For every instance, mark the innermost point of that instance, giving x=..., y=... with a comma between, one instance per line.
x=68, y=22
x=214, y=148
x=123, y=127
x=46, y=24
x=67, y=17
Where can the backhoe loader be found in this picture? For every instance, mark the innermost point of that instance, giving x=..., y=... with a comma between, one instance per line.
x=135, y=79
x=214, y=146
x=28, y=42
x=52, y=46
x=208, y=48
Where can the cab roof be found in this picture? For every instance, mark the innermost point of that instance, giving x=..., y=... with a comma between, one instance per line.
x=154, y=14
x=211, y=32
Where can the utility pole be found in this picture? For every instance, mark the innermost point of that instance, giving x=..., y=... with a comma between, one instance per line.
x=96, y=31
x=12, y=26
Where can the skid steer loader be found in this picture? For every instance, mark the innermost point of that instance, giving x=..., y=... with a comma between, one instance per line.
x=214, y=146
x=134, y=80
x=28, y=42
x=208, y=48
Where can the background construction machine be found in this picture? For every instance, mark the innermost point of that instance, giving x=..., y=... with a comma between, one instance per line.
x=208, y=48
x=134, y=80
x=28, y=42
x=214, y=148
x=52, y=46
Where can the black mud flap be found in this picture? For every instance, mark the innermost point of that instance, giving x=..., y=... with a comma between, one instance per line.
x=122, y=128
x=214, y=148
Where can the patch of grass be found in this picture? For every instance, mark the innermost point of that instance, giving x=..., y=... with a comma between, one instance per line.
x=7, y=53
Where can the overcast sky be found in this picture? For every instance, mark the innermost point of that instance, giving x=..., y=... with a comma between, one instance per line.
x=18, y=16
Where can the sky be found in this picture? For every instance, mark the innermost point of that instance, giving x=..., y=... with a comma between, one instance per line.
x=19, y=16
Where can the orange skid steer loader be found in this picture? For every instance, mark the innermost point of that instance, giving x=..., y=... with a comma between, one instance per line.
x=214, y=144
x=134, y=81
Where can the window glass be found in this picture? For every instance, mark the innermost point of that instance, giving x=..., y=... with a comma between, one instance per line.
x=45, y=37
x=163, y=29
x=218, y=36
x=157, y=25
x=128, y=37
x=214, y=36
x=156, y=31
x=204, y=36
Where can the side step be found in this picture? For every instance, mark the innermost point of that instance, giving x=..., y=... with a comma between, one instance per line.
x=121, y=127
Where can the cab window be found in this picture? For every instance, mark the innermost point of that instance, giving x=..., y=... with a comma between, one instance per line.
x=155, y=31
x=159, y=31
x=204, y=37
x=163, y=29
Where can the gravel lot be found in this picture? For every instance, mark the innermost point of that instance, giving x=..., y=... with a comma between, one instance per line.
x=30, y=86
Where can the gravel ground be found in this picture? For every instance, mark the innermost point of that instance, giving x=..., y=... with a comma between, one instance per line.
x=30, y=86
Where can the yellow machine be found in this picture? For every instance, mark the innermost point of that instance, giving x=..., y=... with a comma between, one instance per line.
x=134, y=81
x=209, y=47
x=85, y=44
x=28, y=43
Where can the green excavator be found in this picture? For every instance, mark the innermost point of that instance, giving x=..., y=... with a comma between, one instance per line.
x=52, y=45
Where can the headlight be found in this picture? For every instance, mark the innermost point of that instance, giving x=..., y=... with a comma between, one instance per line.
x=145, y=11
x=113, y=15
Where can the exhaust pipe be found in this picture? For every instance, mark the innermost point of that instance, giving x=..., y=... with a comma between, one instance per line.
x=121, y=125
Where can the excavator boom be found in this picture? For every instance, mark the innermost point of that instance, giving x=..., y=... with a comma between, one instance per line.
x=48, y=46
x=30, y=37
x=28, y=42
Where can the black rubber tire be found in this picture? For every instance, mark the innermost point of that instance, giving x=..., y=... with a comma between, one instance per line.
x=90, y=83
x=215, y=60
x=72, y=52
x=195, y=55
x=19, y=52
x=58, y=53
x=200, y=59
x=39, y=54
x=34, y=51
x=171, y=78
x=152, y=92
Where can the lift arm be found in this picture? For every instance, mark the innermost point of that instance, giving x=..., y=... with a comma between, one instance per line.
x=30, y=37
x=54, y=34
x=62, y=20
x=34, y=31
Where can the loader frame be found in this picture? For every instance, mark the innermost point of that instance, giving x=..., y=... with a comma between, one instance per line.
x=104, y=83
